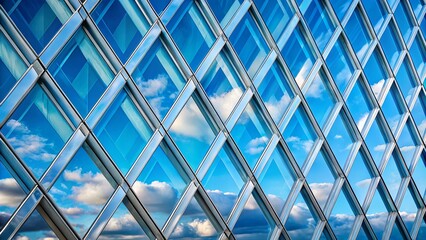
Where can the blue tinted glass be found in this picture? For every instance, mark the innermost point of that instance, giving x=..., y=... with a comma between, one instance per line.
x=223, y=85
x=405, y=80
x=123, y=132
x=377, y=214
x=392, y=109
x=81, y=72
x=340, y=7
x=123, y=25
x=275, y=92
x=38, y=20
x=298, y=56
x=188, y=26
x=249, y=44
x=159, y=6
x=276, y=14
x=35, y=227
x=320, y=98
x=342, y=217
x=320, y=23
x=35, y=133
x=358, y=35
x=192, y=132
x=359, y=105
x=158, y=79
x=300, y=136
x=376, y=13
x=340, y=65
x=377, y=142
x=419, y=114
x=302, y=220
x=360, y=177
x=392, y=175
x=408, y=143
x=418, y=55
x=417, y=6
x=376, y=73
x=12, y=67
x=403, y=20
x=251, y=133
x=391, y=45
x=224, y=9
x=340, y=139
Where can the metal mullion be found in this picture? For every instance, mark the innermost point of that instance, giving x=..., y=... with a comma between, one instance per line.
x=211, y=154
x=245, y=194
x=291, y=199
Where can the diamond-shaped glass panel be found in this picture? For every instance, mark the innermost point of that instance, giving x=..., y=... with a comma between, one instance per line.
x=340, y=139
x=342, y=217
x=392, y=108
x=35, y=227
x=360, y=177
x=276, y=14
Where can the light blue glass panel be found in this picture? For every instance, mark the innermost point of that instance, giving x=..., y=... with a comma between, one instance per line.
x=393, y=174
x=123, y=225
x=358, y=34
x=340, y=65
x=224, y=169
x=300, y=136
x=392, y=108
x=302, y=220
x=81, y=72
x=376, y=13
x=417, y=7
x=81, y=191
x=12, y=67
x=38, y=20
x=376, y=142
x=408, y=143
x=275, y=92
x=408, y=209
x=37, y=131
x=123, y=25
x=277, y=179
x=160, y=185
x=12, y=194
x=419, y=173
x=252, y=223
x=418, y=55
x=35, y=227
x=376, y=73
x=406, y=81
x=276, y=14
x=224, y=9
x=377, y=214
x=251, y=133
x=340, y=7
x=419, y=114
x=298, y=56
x=159, y=79
x=359, y=104
x=360, y=177
x=123, y=132
x=321, y=178
x=192, y=132
x=159, y=6
x=320, y=98
x=342, y=217
x=402, y=17
x=391, y=45
x=319, y=22
x=223, y=85
x=340, y=139
x=189, y=26
x=249, y=44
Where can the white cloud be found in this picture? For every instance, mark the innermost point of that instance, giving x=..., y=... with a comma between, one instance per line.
x=408, y=148
x=191, y=123
x=10, y=192
x=377, y=87
x=156, y=196
x=306, y=145
x=316, y=89
x=203, y=228
x=251, y=204
x=225, y=102
x=362, y=120
x=362, y=51
x=153, y=87
x=321, y=191
x=301, y=76
x=276, y=201
x=292, y=139
x=338, y=136
x=256, y=145
x=363, y=183
x=127, y=221
x=276, y=108
x=94, y=189
x=408, y=217
x=15, y=125
x=72, y=211
x=22, y=238
x=380, y=148
x=378, y=220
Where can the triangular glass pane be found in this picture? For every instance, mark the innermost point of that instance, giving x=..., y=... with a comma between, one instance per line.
x=11, y=194
x=192, y=132
x=300, y=136
x=392, y=175
x=277, y=179
x=194, y=224
x=302, y=220
x=321, y=179
x=251, y=133
x=377, y=214
x=223, y=170
x=252, y=223
x=160, y=185
x=35, y=227
x=408, y=209
x=360, y=177
x=158, y=78
x=342, y=217
x=37, y=131
x=122, y=225
x=81, y=191
x=123, y=131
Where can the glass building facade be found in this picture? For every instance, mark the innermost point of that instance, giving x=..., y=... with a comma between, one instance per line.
x=212, y=119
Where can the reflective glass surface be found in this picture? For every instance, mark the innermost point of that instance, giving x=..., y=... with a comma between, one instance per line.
x=276, y=14
x=320, y=23
x=358, y=34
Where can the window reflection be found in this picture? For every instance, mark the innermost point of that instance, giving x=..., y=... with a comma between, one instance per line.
x=340, y=65
x=377, y=214
x=360, y=177
x=342, y=217
x=393, y=174
x=340, y=7
x=418, y=55
x=376, y=73
x=359, y=105
x=302, y=220
x=224, y=9
x=319, y=22
x=391, y=45
x=419, y=114
x=35, y=227
x=392, y=109
x=408, y=143
x=376, y=13
x=403, y=20
x=37, y=131
x=406, y=81
x=340, y=139
x=358, y=35
x=376, y=141
x=276, y=14
x=409, y=209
